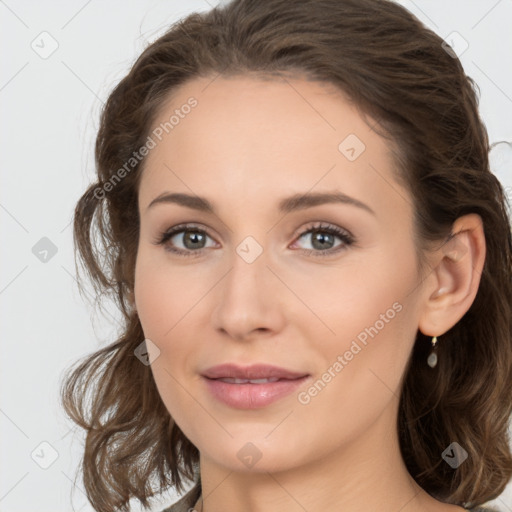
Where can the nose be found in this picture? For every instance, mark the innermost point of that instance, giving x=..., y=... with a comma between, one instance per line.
x=249, y=300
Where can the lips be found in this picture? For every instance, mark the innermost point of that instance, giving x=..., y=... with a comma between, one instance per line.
x=252, y=387
x=256, y=372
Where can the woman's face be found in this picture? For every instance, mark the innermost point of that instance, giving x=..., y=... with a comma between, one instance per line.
x=322, y=286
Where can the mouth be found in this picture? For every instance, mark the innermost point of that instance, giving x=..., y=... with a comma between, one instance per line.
x=252, y=387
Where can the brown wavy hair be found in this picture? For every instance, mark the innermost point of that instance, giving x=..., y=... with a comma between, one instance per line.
x=399, y=75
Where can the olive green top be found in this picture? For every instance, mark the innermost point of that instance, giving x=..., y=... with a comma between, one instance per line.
x=187, y=502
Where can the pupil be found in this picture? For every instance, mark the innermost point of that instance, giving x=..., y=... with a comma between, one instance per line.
x=322, y=238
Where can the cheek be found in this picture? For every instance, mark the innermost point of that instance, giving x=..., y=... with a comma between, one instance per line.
x=375, y=321
x=165, y=294
x=168, y=300
x=356, y=296
x=361, y=367
x=369, y=307
x=161, y=312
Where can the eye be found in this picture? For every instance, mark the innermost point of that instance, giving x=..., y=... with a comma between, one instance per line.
x=185, y=240
x=190, y=240
x=322, y=239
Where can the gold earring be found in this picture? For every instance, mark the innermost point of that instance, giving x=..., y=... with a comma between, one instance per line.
x=432, y=358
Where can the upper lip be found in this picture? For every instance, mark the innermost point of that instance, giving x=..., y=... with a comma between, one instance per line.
x=255, y=371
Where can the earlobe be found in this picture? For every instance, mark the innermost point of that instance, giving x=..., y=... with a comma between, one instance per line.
x=455, y=277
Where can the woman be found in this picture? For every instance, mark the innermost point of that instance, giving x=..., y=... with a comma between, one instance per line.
x=295, y=212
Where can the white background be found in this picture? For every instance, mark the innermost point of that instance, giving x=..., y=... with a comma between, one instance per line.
x=49, y=116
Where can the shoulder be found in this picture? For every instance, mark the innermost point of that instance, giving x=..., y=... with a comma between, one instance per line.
x=186, y=503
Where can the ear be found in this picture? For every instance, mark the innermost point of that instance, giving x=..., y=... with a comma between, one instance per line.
x=457, y=266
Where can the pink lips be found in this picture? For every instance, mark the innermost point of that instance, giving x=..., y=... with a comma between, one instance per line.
x=251, y=395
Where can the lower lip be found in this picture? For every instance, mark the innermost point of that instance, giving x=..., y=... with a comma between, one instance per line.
x=252, y=396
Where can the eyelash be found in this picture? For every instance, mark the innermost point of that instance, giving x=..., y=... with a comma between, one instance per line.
x=346, y=238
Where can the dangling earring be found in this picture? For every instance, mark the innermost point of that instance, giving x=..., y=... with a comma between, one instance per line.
x=432, y=358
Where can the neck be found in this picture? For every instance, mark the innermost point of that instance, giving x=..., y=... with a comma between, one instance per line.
x=366, y=474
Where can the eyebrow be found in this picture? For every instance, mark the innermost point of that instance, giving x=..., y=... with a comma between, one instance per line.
x=286, y=205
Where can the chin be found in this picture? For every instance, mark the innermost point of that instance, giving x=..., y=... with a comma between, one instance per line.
x=254, y=454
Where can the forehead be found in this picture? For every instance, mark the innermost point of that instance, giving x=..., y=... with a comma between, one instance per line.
x=272, y=114
x=246, y=136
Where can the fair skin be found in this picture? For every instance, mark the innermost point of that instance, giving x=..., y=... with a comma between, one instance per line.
x=247, y=145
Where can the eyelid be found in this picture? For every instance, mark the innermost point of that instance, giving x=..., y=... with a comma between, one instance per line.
x=320, y=226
